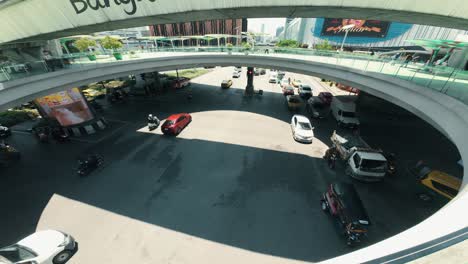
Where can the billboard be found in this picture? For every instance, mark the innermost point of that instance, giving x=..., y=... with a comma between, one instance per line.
x=362, y=28
x=67, y=107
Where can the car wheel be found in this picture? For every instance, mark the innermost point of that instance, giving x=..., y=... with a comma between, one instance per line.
x=348, y=171
x=62, y=257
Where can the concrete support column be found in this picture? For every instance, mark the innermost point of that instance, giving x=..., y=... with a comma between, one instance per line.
x=249, y=89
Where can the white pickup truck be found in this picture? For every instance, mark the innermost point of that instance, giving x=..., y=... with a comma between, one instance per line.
x=362, y=162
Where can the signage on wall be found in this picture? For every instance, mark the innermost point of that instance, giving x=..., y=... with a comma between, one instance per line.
x=362, y=28
x=130, y=6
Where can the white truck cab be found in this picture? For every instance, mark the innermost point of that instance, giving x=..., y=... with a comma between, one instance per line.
x=367, y=165
x=363, y=162
x=344, y=111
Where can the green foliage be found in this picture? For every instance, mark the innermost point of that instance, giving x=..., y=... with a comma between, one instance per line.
x=246, y=46
x=229, y=46
x=324, y=45
x=83, y=44
x=287, y=43
x=111, y=43
x=13, y=117
x=189, y=73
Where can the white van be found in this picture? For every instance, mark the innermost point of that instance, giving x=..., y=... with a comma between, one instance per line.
x=273, y=77
x=344, y=111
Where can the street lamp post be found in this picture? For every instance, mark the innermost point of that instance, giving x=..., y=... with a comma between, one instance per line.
x=346, y=28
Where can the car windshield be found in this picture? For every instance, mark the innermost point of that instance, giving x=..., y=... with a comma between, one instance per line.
x=16, y=253
x=168, y=123
x=326, y=95
x=305, y=88
x=349, y=114
x=305, y=126
x=372, y=164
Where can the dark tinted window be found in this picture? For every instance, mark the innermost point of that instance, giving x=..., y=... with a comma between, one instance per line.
x=372, y=164
x=349, y=114
x=444, y=188
x=357, y=160
x=168, y=123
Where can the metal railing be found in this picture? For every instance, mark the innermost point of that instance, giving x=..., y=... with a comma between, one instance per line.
x=447, y=80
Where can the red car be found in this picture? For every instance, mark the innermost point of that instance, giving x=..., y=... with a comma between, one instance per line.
x=174, y=124
x=326, y=97
x=181, y=82
x=288, y=90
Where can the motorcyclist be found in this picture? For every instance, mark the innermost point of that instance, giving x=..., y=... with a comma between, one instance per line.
x=152, y=119
x=330, y=156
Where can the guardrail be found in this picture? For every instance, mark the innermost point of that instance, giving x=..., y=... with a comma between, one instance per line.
x=450, y=81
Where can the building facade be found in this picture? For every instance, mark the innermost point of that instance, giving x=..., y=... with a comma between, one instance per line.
x=196, y=28
x=366, y=33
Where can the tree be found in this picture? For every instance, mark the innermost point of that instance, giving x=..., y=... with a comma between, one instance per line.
x=287, y=43
x=111, y=43
x=246, y=45
x=83, y=44
x=324, y=45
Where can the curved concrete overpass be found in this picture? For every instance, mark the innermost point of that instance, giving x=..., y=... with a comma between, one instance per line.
x=71, y=17
x=445, y=113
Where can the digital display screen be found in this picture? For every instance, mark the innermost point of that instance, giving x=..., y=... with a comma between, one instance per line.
x=68, y=107
x=362, y=28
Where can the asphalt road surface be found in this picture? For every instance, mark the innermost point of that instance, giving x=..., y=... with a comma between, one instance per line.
x=233, y=187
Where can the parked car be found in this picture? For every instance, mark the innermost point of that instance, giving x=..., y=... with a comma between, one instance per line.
x=296, y=83
x=238, y=69
x=305, y=91
x=236, y=74
x=43, y=247
x=4, y=131
x=326, y=97
x=437, y=182
x=301, y=128
x=284, y=83
x=316, y=108
x=226, y=84
x=256, y=71
x=294, y=102
x=174, y=124
x=342, y=201
x=262, y=71
x=288, y=90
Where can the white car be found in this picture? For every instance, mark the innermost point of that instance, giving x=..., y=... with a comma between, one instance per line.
x=301, y=128
x=273, y=78
x=43, y=247
x=236, y=74
x=284, y=83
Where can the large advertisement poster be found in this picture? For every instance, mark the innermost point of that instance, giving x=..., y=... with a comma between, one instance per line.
x=362, y=28
x=68, y=107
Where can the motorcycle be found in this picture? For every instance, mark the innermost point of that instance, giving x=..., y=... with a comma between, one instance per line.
x=331, y=157
x=60, y=135
x=153, y=124
x=89, y=164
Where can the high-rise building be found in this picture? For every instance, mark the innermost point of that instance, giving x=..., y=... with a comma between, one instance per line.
x=279, y=30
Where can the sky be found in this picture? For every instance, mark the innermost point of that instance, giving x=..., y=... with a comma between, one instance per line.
x=255, y=24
